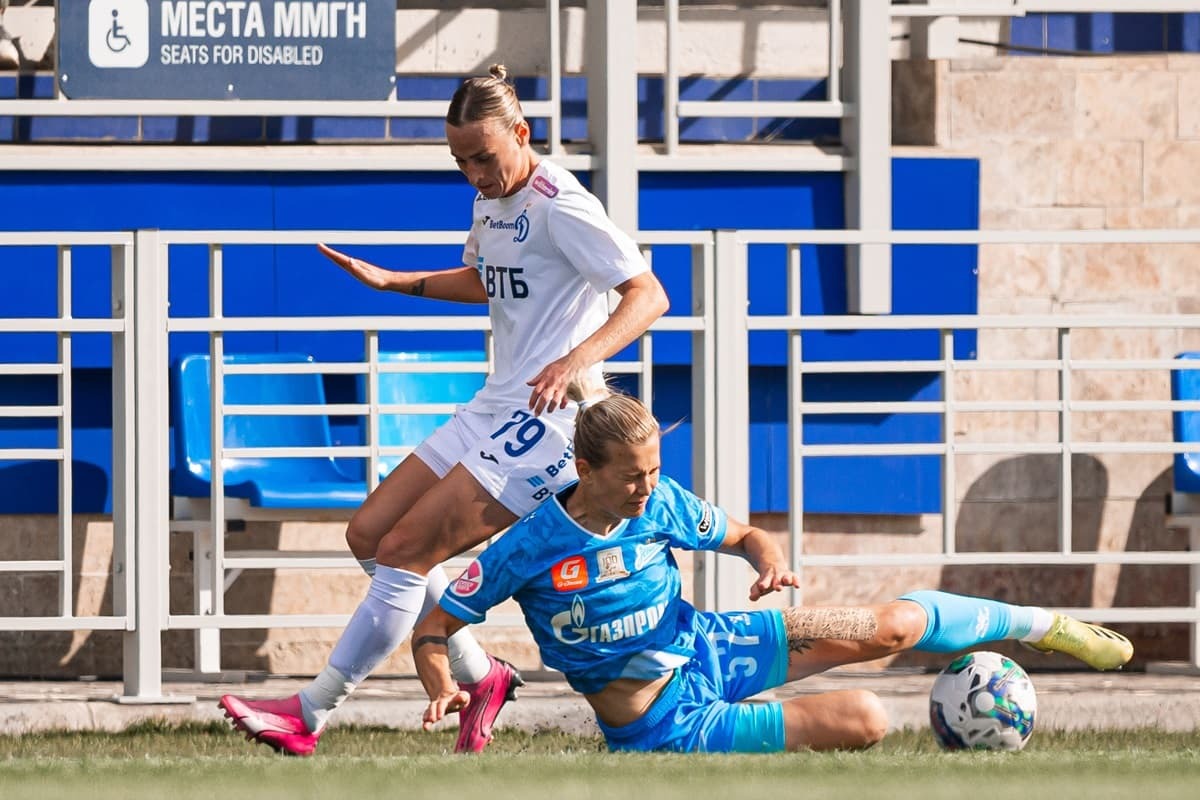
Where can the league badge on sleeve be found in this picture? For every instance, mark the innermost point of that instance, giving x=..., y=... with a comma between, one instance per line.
x=543, y=185
x=469, y=581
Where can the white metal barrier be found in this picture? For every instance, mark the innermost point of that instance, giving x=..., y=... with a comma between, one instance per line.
x=734, y=325
x=719, y=324
x=128, y=585
x=214, y=563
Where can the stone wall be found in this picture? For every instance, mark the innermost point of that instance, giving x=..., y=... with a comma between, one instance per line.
x=1072, y=143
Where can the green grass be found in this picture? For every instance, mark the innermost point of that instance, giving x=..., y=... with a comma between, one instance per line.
x=198, y=761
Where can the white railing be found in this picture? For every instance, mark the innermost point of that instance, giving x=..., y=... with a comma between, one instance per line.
x=64, y=326
x=735, y=325
x=719, y=324
x=209, y=613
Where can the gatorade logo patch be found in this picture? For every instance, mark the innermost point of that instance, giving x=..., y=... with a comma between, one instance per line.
x=569, y=574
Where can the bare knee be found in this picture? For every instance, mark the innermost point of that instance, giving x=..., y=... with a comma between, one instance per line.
x=860, y=723
x=842, y=720
x=872, y=718
x=901, y=625
x=362, y=538
x=404, y=547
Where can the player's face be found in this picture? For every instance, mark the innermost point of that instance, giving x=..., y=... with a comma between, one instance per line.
x=623, y=485
x=494, y=158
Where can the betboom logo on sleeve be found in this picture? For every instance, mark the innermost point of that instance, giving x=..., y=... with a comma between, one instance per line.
x=570, y=574
x=469, y=582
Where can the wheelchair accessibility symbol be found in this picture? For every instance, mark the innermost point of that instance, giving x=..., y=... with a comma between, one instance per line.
x=116, y=38
x=118, y=33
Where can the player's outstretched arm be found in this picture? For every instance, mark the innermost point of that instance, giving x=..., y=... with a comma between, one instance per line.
x=643, y=300
x=460, y=284
x=764, y=554
x=432, y=658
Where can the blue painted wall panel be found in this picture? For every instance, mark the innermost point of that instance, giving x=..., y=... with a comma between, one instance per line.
x=1108, y=32
x=929, y=194
x=298, y=281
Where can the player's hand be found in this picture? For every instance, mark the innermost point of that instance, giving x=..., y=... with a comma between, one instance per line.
x=440, y=706
x=550, y=386
x=364, y=271
x=772, y=579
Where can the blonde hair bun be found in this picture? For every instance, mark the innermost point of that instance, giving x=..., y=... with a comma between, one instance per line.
x=498, y=71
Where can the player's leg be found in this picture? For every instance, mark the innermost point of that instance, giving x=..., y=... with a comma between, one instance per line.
x=294, y=724
x=957, y=622
x=521, y=462
x=396, y=495
x=512, y=466
x=817, y=638
x=849, y=719
x=455, y=514
x=452, y=516
x=383, y=508
x=932, y=621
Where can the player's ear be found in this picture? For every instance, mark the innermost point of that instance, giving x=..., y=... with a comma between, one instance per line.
x=584, y=469
x=522, y=132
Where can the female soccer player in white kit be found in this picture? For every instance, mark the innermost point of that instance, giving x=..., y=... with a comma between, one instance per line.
x=543, y=255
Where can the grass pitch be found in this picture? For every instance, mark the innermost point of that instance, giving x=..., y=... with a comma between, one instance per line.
x=210, y=761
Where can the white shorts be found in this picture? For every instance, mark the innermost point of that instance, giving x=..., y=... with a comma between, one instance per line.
x=519, y=458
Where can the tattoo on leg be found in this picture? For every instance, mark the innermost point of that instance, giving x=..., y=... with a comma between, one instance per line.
x=418, y=288
x=803, y=625
x=424, y=640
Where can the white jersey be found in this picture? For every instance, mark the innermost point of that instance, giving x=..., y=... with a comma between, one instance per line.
x=547, y=256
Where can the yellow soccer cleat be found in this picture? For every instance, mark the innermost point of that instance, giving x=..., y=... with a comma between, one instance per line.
x=1099, y=648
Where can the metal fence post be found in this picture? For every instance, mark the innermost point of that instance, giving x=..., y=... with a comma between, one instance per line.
x=146, y=443
x=726, y=581
x=867, y=135
x=612, y=107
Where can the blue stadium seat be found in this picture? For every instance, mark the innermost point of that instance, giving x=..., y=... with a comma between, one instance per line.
x=308, y=482
x=1185, y=385
x=408, y=430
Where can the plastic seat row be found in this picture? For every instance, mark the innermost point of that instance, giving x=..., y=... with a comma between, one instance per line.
x=298, y=482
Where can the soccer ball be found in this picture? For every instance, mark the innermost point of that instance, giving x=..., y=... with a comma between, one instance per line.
x=982, y=701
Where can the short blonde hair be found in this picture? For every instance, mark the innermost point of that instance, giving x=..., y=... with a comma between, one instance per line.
x=618, y=419
x=486, y=98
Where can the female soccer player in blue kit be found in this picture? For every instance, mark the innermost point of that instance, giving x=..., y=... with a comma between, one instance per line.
x=594, y=575
x=543, y=255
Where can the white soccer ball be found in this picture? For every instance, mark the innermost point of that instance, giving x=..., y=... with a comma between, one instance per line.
x=982, y=701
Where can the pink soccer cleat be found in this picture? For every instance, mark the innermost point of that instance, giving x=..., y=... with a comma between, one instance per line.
x=488, y=696
x=278, y=724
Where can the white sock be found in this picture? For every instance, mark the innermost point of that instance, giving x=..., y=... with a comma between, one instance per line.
x=382, y=621
x=368, y=566
x=1042, y=620
x=318, y=700
x=469, y=662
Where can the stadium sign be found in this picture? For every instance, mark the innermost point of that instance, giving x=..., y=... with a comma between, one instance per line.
x=227, y=49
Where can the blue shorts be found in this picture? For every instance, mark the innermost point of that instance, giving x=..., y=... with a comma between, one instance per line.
x=738, y=655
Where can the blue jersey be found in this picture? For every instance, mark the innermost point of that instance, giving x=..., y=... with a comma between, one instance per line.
x=600, y=607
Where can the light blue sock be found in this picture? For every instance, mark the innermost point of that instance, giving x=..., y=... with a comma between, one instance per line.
x=957, y=622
